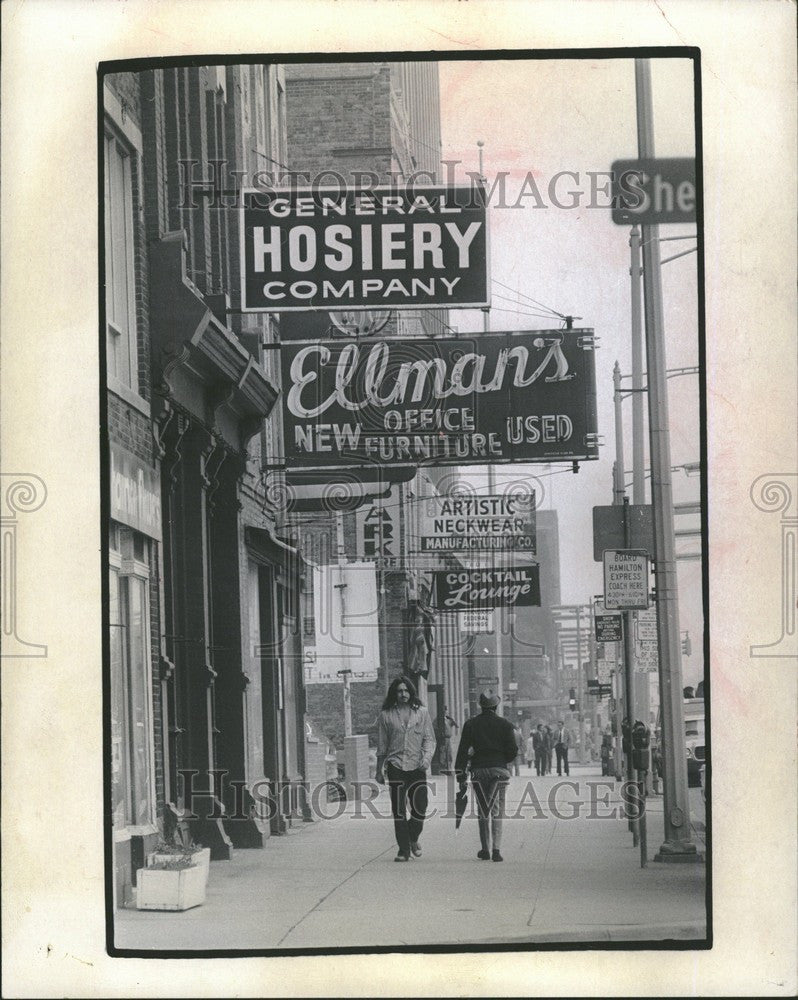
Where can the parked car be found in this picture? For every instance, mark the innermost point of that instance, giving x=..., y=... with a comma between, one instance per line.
x=694, y=739
x=695, y=742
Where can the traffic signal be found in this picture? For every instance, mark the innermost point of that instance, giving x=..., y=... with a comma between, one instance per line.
x=572, y=699
x=687, y=647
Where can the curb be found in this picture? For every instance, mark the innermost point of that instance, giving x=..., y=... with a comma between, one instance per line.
x=685, y=931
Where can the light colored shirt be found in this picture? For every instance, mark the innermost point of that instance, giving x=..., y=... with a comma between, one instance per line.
x=407, y=746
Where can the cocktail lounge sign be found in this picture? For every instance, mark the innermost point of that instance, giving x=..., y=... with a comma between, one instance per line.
x=473, y=589
x=378, y=248
x=499, y=397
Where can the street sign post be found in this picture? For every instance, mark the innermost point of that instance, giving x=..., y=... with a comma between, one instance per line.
x=625, y=579
x=622, y=526
x=609, y=628
x=653, y=190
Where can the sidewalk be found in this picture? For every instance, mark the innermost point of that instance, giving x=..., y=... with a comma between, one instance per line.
x=334, y=883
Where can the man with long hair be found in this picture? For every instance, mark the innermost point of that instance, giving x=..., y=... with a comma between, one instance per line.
x=405, y=745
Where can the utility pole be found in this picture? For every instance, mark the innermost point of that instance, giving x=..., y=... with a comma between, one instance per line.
x=495, y=559
x=620, y=498
x=346, y=674
x=678, y=845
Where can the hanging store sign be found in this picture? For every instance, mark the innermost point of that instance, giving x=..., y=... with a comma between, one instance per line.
x=502, y=397
x=377, y=529
x=346, y=624
x=463, y=524
x=135, y=493
x=475, y=621
x=343, y=248
x=467, y=589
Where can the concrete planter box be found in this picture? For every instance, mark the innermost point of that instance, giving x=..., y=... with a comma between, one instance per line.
x=176, y=889
x=201, y=858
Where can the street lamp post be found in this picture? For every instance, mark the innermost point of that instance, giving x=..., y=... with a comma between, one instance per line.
x=678, y=845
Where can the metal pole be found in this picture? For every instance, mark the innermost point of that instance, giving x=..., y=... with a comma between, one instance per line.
x=618, y=497
x=341, y=586
x=638, y=458
x=677, y=845
x=618, y=716
x=629, y=667
x=580, y=694
x=347, y=702
x=618, y=467
x=495, y=560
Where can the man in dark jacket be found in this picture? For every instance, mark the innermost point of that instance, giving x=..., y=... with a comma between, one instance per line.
x=541, y=743
x=490, y=740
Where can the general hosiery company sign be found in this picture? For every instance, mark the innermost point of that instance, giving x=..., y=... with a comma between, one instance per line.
x=498, y=397
x=380, y=248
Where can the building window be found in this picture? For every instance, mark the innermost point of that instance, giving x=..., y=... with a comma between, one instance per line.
x=131, y=682
x=120, y=278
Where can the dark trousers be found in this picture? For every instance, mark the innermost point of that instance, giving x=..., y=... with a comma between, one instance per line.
x=490, y=788
x=541, y=759
x=408, y=791
x=562, y=757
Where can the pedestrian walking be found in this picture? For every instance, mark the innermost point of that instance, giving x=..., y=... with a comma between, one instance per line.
x=519, y=742
x=490, y=740
x=606, y=751
x=405, y=745
x=448, y=728
x=550, y=748
x=562, y=744
x=530, y=750
x=540, y=743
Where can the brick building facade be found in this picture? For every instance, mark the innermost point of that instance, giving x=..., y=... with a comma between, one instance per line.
x=216, y=706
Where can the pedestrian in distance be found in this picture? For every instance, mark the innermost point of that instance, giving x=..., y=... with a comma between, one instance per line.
x=562, y=744
x=550, y=750
x=448, y=728
x=519, y=742
x=491, y=742
x=530, y=750
x=405, y=745
x=540, y=742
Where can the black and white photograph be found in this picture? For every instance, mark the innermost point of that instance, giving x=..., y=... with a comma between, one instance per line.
x=406, y=555
x=399, y=498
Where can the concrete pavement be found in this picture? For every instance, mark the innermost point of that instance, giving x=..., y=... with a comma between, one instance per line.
x=570, y=874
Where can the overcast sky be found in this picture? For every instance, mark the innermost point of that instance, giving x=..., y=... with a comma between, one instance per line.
x=547, y=116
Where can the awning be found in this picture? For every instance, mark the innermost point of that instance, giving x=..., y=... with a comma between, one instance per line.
x=189, y=340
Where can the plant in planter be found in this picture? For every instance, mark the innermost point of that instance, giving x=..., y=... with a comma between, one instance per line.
x=165, y=851
x=173, y=883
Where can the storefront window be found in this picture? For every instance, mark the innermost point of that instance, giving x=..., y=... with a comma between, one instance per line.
x=131, y=677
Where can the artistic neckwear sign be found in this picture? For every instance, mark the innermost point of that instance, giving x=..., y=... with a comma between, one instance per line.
x=347, y=248
x=499, y=397
x=465, y=524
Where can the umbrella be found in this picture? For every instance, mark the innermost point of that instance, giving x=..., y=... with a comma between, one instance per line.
x=460, y=803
